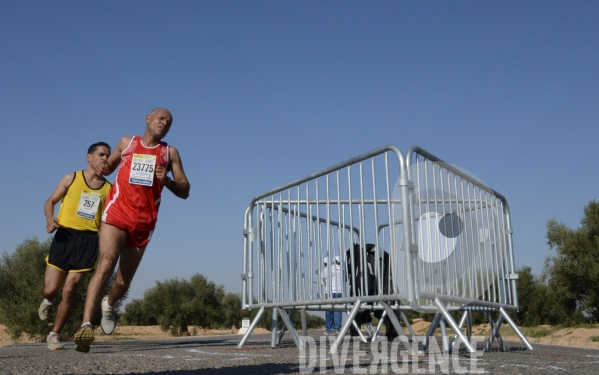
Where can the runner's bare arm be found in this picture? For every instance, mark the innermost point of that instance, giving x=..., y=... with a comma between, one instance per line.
x=179, y=185
x=58, y=194
x=114, y=159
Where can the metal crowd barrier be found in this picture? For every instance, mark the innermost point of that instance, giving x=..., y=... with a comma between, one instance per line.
x=439, y=240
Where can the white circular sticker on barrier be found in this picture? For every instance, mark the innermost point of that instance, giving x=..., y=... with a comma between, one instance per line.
x=459, y=229
x=434, y=225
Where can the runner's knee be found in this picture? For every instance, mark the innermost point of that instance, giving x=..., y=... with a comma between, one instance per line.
x=106, y=263
x=69, y=291
x=49, y=293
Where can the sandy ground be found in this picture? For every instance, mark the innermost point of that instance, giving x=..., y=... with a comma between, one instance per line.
x=575, y=337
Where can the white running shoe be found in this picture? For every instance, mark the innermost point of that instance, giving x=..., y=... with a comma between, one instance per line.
x=53, y=341
x=44, y=310
x=108, y=323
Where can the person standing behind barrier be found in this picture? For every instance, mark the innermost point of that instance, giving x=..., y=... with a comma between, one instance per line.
x=74, y=248
x=332, y=322
x=130, y=216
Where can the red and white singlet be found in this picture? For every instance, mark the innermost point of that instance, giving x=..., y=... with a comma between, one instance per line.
x=135, y=196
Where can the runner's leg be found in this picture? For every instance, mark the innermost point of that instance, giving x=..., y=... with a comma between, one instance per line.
x=52, y=282
x=130, y=259
x=112, y=242
x=67, y=303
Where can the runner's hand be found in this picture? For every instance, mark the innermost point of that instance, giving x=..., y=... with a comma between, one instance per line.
x=103, y=169
x=161, y=173
x=52, y=225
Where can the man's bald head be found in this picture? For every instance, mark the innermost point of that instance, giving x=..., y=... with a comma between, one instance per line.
x=158, y=123
x=155, y=112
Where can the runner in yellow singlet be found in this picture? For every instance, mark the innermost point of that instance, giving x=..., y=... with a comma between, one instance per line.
x=74, y=249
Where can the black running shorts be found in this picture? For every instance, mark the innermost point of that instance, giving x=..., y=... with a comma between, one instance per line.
x=73, y=250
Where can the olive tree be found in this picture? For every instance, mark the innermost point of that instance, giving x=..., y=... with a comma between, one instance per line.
x=177, y=303
x=573, y=272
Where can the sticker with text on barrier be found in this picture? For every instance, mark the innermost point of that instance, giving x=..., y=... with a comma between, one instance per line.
x=88, y=205
x=142, y=169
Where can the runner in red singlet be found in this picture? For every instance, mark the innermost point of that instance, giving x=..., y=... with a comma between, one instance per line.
x=130, y=215
x=134, y=191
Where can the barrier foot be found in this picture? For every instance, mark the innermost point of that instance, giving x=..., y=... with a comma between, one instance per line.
x=370, y=329
x=407, y=323
x=252, y=326
x=469, y=325
x=358, y=328
x=515, y=328
x=273, y=328
x=444, y=338
x=453, y=325
x=304, y=322
x=298, y=341
x=394, y=321
x=430, y=332
x=379, y=325
x=495, y=333
x=463, y=320
x=345, y=327
x=282, y=332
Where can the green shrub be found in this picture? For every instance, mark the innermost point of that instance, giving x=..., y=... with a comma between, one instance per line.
x=176, y=304
x=21, y=278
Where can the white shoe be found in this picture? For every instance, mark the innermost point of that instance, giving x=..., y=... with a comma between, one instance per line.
x=53, y=341
x=44, y=310
x=108, y=323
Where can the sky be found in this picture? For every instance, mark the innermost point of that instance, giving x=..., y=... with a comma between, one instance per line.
x=265, y=92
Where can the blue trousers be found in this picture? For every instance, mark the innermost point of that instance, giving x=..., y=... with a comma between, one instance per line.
x=332, y=319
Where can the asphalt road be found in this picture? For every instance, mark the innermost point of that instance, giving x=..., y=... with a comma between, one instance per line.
x=219, y=355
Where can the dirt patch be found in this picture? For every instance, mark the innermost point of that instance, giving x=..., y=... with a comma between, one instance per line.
x=6, y=340
x=543, y=334
x=133, y=333
x=576, y=337
x=420, y=326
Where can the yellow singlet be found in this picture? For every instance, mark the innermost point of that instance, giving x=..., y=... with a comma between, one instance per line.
x=82, y=207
